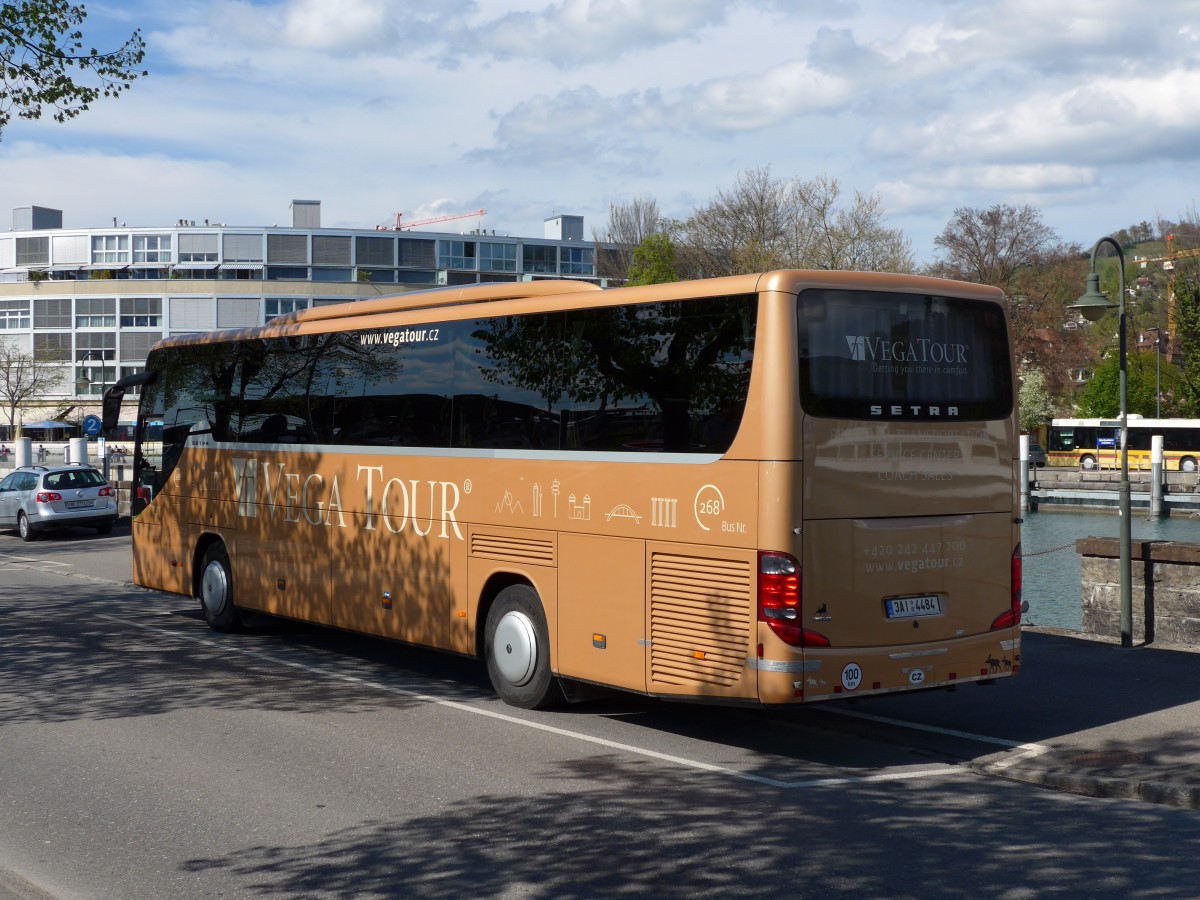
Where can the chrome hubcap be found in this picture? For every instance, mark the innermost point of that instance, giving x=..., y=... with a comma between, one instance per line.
x=214, y=587
x=515, y=648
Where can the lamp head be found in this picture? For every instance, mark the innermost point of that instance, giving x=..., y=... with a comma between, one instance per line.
x=1093, y=304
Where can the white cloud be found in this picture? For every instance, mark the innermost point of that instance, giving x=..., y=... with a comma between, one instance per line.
x=534, y=107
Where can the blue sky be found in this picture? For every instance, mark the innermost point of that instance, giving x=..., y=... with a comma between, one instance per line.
x=1088, y=111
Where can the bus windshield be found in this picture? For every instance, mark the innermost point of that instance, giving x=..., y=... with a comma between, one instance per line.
x=873, y=355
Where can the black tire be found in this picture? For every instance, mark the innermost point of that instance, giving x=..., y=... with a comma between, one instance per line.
x=1187, y=464
x=216, y=591
x=25, y=529
x=106, y=528
x=517, y=649
x=1088, y=463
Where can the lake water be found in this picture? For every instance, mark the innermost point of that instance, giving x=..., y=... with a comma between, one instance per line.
x=1051, y=566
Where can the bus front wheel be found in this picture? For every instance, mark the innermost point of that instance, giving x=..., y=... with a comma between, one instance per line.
x=1187, y=464
x=216, y=590
x=1087, y=463
x=517, y=649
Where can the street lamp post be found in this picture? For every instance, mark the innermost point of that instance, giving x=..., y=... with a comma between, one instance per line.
x=1157, y=371
x=82, y=382
x=1092, y=306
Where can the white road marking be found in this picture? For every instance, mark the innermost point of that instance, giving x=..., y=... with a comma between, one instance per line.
x=1029, y=750
x=942, y=771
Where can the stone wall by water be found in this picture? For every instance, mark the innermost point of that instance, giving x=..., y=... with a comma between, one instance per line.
x=1166, y=590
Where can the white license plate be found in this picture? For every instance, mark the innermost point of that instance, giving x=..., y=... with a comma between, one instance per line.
x=80, y=504
x=910, y=607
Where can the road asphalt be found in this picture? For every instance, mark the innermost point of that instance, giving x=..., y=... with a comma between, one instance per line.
x=1084, y=715
x=1096, y=718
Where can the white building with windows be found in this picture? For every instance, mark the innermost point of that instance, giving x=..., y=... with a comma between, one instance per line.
x=93, y=301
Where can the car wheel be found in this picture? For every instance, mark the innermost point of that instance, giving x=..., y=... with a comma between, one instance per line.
x=517, y=648
x=216, y=590
x=24, y=529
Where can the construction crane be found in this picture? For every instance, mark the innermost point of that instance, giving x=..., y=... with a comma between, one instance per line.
x=1168, y=264
x=416, y=223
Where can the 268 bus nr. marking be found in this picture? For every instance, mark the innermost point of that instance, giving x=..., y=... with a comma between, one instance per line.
x=321, y=468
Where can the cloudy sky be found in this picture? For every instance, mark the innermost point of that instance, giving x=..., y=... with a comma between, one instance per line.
x=1089, y=111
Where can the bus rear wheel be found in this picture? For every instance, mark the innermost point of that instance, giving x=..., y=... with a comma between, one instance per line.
x=517, y=649
x=1087, y=463
x=216, y=590
x=1187, y=464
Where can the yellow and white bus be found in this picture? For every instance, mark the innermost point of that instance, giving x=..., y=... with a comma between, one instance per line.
x=1092, y=444
x=768, y=488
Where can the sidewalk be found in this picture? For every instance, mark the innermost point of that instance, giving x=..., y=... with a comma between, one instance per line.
x=1090, y=717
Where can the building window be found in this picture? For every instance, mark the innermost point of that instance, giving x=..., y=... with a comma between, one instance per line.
x=51, y=346
x=456, y=255
x=132, y=370
x=242, y=248
x=330, y=250
x=95, y=345
x=375, y=251
x=14, y=314
x=280, y=306
x=92, y=351
x=141, y=312
x=578, y=260
x=539, y=259
x=284, y=249
x=108, y=249
x=332, y=274
x=287, y=273
x=497, y=257
x=52, y=312
x=197, y=248
x=151, y=248
x=33, y=251
x=416, y=252
x=95, y=312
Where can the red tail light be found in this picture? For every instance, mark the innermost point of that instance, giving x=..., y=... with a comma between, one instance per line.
x=1011, y=618
x=106, y=492
x=47, y=496
x=779, y=601
x=143, y=493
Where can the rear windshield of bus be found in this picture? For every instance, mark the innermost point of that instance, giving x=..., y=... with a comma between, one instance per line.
x=893, y=356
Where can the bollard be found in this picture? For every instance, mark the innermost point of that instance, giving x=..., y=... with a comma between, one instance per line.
x=1024, y=479
x=1156, y=475
x=24, y=452
x=79, y=451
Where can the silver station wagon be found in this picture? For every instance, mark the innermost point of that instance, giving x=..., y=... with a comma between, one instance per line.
x=34, y=499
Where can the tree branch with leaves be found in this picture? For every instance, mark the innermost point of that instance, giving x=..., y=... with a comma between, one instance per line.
x=43, y=62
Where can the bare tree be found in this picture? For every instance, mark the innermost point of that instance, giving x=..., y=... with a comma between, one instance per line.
x=629, y=224
x=989, y=246
x=767, y=223
x=851, y=238
x=22, y=378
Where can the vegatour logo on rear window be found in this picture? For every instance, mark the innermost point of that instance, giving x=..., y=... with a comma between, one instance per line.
x=922, y=350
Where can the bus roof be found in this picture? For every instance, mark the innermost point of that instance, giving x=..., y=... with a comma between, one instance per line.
x=582, y=294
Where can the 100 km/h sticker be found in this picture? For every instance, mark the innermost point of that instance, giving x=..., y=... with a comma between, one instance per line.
x=852, y=676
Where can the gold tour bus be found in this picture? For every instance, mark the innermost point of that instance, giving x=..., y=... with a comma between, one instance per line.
x=768, y=488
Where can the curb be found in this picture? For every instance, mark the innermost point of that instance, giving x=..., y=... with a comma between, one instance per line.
x=1164, y=793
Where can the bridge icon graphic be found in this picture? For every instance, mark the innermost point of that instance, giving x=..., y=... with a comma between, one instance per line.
x=623, y=511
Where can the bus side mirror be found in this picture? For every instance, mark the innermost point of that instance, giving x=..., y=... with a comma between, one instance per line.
x=111, y=411
x=113, y=397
